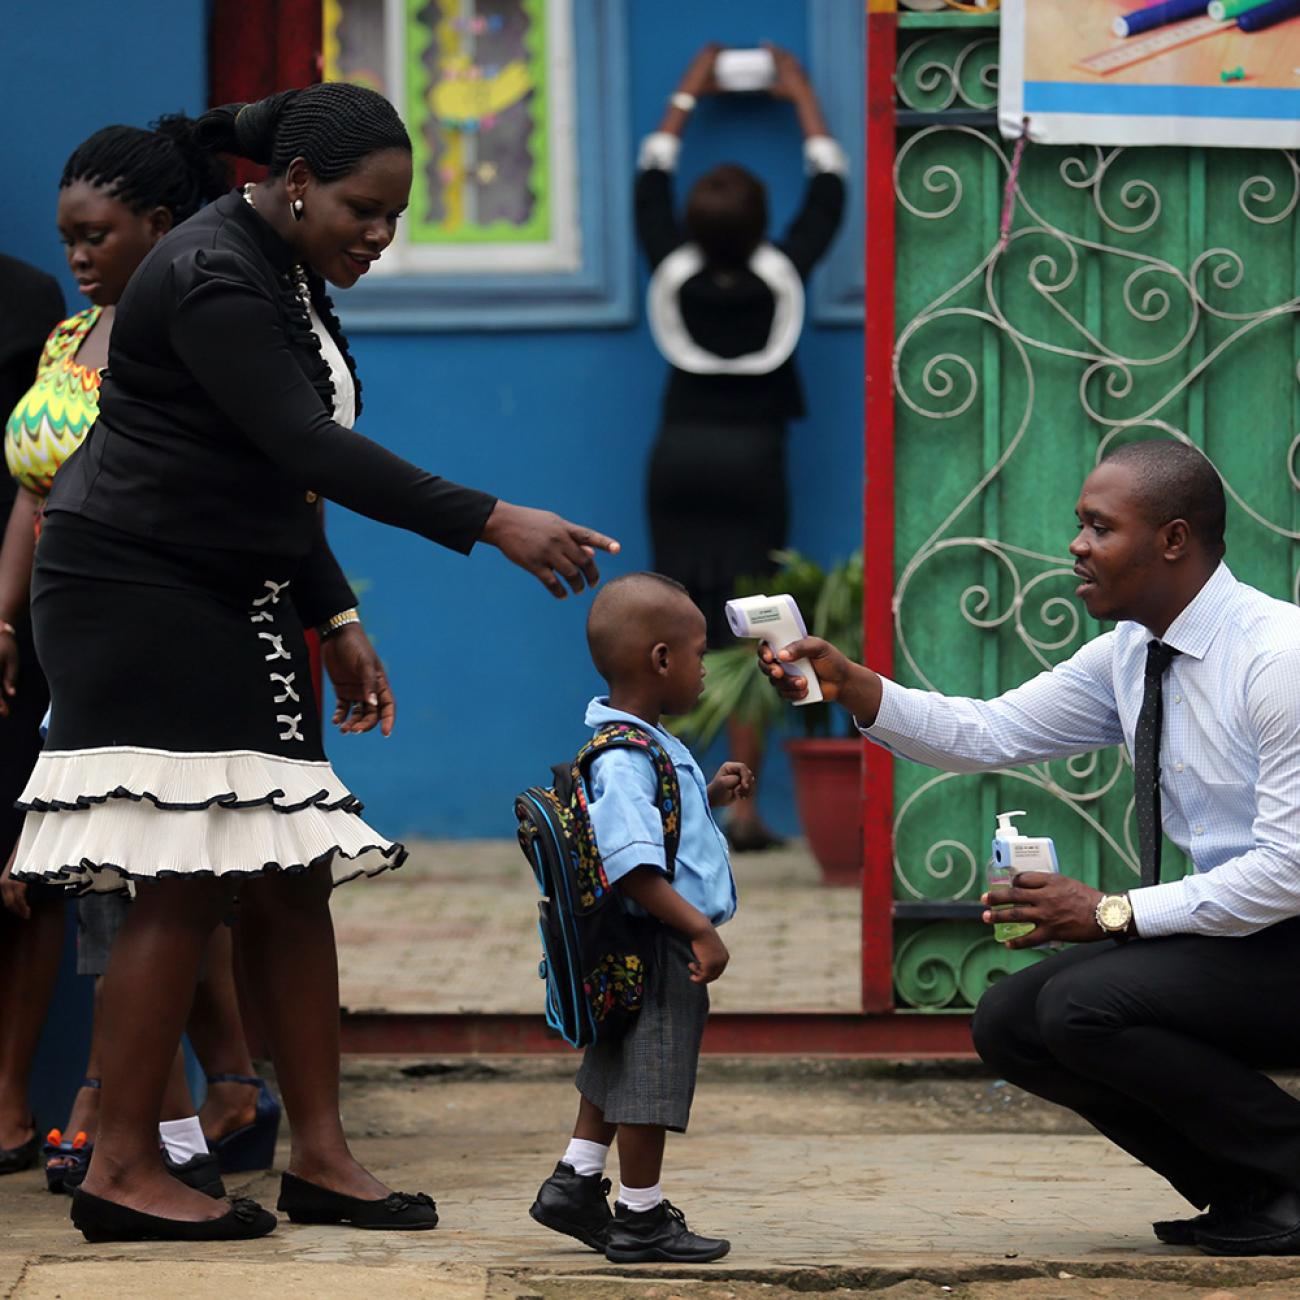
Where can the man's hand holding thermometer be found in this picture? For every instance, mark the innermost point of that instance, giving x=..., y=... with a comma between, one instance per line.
x=806, y=668
x=775, y=621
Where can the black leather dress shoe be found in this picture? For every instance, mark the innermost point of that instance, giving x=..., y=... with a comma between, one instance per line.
x=101, y=1220
x=1267, y=1227
x=638, y=1236
x=1182, y=1232
x=575, y=1204
x=305, y=1202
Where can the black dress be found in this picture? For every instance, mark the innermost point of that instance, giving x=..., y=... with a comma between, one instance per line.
x=716, y=487
x=181, y=557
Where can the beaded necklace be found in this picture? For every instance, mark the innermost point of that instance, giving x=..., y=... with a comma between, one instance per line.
x=299, y=274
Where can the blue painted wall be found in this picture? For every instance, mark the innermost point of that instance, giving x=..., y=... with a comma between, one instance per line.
x=70, y=69
x=491, y=673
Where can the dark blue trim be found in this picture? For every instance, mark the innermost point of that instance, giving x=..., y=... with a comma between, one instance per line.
x=837, y=34
x=599, y=292
x=1229, y=102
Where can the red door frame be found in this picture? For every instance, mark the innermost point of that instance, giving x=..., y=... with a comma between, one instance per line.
x=878, y=500
x=260, y=46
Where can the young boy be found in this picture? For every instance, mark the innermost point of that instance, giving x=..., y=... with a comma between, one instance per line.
x=647, y=640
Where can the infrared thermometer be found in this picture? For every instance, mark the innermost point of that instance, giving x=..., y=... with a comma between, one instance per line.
x=776, y=620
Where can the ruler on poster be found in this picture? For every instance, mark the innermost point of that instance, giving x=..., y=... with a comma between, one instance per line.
x=1137, y=48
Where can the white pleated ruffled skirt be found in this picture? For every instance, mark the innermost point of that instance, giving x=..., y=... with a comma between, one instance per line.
x=184, y=739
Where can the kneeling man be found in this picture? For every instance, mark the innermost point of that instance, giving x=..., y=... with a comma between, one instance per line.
x=1157, y=1026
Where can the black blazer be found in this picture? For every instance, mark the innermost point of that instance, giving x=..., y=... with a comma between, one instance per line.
x=215, y=411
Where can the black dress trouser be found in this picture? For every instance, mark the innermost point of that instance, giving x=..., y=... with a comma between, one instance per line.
x=1160, y=1045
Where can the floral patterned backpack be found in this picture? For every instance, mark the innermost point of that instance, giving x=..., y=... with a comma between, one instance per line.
x=593, y=952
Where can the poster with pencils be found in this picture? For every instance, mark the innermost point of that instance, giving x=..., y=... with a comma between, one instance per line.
x=1126, y=72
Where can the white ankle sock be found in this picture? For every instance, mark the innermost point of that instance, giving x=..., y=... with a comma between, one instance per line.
x=183, y=1138
x=587, y=1158
x=640, y=1199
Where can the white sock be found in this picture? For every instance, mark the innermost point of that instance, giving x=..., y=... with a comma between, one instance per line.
x=640, y=1199
x=183, y=1138
x=587, y=1158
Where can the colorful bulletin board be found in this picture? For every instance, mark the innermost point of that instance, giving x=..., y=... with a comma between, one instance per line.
x=1123, y=72
x=476, y=106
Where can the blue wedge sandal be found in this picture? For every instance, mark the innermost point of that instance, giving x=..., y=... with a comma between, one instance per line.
x=253, y=1146
x=73, y=1155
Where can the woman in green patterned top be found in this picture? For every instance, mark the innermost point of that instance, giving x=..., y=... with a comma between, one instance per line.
x=120, y=192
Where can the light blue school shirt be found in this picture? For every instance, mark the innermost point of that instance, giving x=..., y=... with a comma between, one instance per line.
x=630, y=833
x=1229, y=747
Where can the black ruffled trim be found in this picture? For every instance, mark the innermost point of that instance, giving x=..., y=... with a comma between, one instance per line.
x=348, y=804
x=325, y=310
x=397, y=852
x=303, y=338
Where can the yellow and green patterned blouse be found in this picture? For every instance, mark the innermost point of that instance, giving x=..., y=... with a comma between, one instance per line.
x=52, y=417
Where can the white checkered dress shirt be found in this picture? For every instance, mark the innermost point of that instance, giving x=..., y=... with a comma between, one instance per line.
x=1229, y=752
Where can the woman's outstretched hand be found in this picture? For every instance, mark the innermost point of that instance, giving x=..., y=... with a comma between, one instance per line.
x=552, y=549
x=361, y=691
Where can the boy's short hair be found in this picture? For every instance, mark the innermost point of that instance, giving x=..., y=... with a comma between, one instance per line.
x=726, y=215
x=621, y=610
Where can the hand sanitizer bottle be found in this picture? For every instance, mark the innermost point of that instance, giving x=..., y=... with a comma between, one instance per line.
x=1012, y=854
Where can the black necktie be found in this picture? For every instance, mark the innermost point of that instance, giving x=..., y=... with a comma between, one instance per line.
x=1146, y=761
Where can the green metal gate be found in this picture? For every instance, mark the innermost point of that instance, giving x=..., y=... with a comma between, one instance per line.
x=1142, y=293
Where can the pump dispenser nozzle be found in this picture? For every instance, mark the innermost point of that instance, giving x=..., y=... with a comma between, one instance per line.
x=1005, y=829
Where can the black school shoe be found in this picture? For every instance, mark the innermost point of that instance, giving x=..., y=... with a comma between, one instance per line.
x=575, y=1204
x=101, y=1220
x=640, y=1236
x=305, y=1202
x=1267, y=1227
x=203, y=1173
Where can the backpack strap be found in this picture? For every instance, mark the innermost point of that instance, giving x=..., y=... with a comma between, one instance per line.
x=626, y=735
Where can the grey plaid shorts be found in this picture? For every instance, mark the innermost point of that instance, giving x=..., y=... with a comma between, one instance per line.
x=648, y=1075
x=99, y=918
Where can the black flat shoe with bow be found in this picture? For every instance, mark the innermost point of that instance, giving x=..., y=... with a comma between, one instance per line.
x=101, y=1220
x=305, y=1202
x=13, y=1160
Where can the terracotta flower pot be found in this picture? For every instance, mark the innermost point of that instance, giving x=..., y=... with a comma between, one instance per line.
x=827, y=781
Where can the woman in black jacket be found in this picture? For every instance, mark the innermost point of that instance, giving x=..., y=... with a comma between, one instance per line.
x=181, y=556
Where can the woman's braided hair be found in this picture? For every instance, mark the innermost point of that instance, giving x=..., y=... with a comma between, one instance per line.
x=164, y=166
x=333, y=126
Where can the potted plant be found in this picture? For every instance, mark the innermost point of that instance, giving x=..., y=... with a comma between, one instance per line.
x=825, y=760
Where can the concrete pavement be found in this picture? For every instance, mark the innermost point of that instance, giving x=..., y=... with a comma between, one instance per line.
x=838, y=1177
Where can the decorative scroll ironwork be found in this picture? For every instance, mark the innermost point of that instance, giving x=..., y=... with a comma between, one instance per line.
x=1141, y=293
x=948, y=70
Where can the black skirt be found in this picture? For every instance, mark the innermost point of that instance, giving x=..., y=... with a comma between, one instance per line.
x=718, y=508
x=184, y=734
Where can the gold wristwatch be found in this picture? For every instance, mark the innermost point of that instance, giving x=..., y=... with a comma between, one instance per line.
x=1114, y=915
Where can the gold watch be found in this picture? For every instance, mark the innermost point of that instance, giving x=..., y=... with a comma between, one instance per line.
x=1114, y=915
